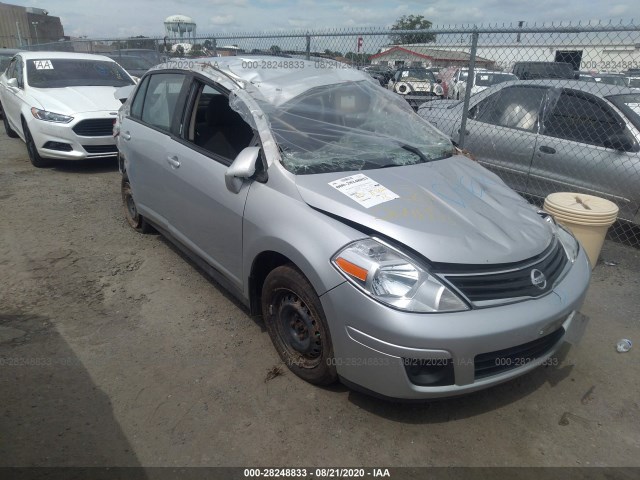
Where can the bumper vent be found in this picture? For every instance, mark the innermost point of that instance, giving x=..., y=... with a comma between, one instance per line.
x=492, y=363
x=101, y=149
x=95, y=127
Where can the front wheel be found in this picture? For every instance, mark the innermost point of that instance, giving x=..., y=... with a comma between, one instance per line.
x=36, y=160
x=297, y=326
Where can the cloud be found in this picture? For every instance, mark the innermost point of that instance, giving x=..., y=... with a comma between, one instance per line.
x=222, y=19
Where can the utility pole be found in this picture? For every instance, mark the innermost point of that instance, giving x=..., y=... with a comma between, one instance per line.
x=35, y=27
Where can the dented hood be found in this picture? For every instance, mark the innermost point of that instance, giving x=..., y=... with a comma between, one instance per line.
x=451, y=210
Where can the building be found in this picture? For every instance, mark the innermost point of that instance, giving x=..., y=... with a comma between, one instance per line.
x=425, y=56
x=23, y=26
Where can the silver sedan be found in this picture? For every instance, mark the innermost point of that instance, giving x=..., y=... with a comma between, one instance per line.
x=373, y=252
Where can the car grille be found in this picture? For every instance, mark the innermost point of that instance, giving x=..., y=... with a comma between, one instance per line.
x=492, y=363
x=100, y=148
x=95, y=127
x=508, y=281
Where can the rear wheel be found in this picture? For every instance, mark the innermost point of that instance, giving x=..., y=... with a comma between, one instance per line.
x=134, y=219
x=7, y=128
x=297, y=326
x=36, y=160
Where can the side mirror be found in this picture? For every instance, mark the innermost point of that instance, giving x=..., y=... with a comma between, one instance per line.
x=123, y=93
x=12, y=82
x=622, y=143
x=243, y=167
x=438, y=80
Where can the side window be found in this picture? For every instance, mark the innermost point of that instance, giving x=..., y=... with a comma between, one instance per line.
x=161, y=99
x=136, y=105
x=11, y=69
x=20, y=72
x=582, y=119
x=512, y=107
x=215, y=127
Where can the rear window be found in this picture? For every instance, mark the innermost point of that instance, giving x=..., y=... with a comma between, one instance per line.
x=63, y=72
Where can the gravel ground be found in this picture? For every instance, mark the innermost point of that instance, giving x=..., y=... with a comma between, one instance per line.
x=116, y=351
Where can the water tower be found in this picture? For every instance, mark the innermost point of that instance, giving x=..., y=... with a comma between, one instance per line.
x=180, y=26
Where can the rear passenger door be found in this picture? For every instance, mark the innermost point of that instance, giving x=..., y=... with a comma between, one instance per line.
x=571, y=153
x=502, y=131
x=205, y=216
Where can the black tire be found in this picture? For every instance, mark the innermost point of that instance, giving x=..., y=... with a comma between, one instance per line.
x=297, y=325
x=36, y=160
x=7, y=128
x=134, y=219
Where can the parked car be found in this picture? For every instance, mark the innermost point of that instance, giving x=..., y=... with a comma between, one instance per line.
x=544, y=136
x=6, y=54
x=373, y=252
x=152, y=56
x=482, y=79
x=455, y=78
x=62, y=104
x=135, y=66
x=416, y=85
x=539, y=70
x=380, y=72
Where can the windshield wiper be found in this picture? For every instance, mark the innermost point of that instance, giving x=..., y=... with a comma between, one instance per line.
x=412, y=149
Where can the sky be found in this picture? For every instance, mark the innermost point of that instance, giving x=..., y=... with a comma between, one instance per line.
x=121, y=18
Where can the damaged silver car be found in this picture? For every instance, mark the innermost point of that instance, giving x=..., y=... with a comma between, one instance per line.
x=375, y=255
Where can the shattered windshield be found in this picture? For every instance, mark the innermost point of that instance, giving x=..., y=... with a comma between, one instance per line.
x=353, y=126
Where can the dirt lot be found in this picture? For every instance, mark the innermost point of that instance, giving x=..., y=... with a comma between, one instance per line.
x=117, y=351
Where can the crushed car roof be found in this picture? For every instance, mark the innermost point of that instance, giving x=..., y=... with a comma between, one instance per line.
x=276, y=79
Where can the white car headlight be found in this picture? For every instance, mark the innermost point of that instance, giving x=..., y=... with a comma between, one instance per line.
x=394, y=279
x=438, y=90
x=50, y=116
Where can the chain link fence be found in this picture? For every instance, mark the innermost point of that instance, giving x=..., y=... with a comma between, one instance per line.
x=547, y=108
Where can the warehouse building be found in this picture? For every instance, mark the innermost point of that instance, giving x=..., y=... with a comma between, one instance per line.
x=24, y=26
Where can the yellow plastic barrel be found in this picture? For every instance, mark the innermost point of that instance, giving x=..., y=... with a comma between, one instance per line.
x=587, y=217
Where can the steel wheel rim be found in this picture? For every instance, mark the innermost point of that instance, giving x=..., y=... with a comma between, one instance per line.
x=298, y=330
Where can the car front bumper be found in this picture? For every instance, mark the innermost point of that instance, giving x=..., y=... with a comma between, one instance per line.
x=80, y=147
x=373, y=343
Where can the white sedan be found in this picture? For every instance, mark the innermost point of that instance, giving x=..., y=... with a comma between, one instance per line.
x=62, y=104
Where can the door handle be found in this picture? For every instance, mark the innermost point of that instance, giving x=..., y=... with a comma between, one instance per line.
x=173, y=161
x=545, y=149
x=126, y=136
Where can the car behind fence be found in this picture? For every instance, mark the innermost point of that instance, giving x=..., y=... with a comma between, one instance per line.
x=569, y=122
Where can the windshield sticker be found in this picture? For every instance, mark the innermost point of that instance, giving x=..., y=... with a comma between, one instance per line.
x=405, y=73
x=364, y=190
x=484, y=77
x=43, y=64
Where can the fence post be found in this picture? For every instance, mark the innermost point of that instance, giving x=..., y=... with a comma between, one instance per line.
x=214, y=47
x=308, y=53
x=467, y=91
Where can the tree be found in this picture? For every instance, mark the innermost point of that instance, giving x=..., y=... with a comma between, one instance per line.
x=275, y=49
x=412, y=22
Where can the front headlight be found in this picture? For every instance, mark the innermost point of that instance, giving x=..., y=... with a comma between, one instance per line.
x=394, y=279
x=50, y=116
x=568, y=241
x=438, y=90
x=566, y=238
